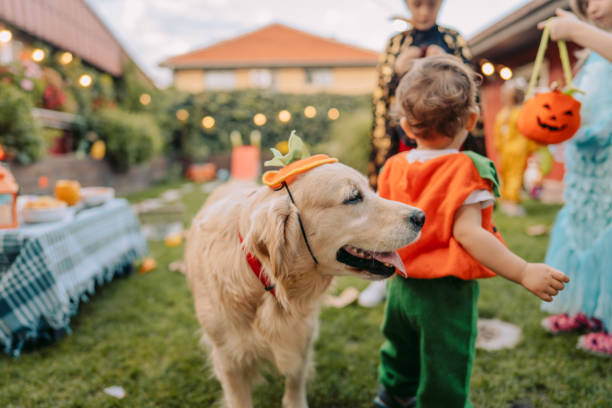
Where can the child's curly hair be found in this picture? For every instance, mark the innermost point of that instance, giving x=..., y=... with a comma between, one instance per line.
x=436, y=96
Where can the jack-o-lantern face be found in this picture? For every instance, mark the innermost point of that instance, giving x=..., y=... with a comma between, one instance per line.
x=551, y=117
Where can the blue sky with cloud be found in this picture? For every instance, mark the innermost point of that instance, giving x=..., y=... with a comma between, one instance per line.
x=153, y=30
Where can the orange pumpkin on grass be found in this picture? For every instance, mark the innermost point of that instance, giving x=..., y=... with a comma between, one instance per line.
x=551, y=117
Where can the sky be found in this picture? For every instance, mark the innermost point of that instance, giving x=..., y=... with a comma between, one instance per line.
x=153, y=30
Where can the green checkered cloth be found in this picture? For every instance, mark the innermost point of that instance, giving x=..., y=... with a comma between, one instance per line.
x=47, y=269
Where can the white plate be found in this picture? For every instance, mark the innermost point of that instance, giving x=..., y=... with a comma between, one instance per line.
x=38, y=215
x=91, y=196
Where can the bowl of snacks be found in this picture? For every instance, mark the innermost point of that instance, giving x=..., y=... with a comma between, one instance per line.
x=92, y=196
x=44, y=209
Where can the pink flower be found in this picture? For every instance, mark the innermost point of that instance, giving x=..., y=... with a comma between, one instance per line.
x=27, y=85
x=32, y=70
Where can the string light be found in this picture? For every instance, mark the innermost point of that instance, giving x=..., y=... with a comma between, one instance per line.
x=145, y=99
x=333, y=113
x=85, y=80
x=284, y=116
x=5, y=36
x=310, y=112
x=66, y=58
x=208, y=122
x=260, y=119
x=487, y=68
x=38, y=55
x=505, y=73
x=182, y=115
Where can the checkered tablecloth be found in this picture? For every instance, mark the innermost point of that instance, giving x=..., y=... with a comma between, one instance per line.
x=47, y=269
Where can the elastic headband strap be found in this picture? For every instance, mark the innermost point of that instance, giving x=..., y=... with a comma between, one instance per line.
x=300, y=221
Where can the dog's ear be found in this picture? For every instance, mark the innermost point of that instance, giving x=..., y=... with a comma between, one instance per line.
x=273, y=237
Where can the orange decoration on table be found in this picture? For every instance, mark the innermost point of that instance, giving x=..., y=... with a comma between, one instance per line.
x=8, y=199
x=68, y=191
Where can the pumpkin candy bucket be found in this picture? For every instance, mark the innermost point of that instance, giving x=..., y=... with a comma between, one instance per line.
x=550, y=117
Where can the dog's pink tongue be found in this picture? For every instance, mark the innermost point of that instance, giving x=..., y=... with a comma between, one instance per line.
x=392, y=258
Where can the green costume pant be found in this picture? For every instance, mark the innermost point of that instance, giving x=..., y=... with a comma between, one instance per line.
x=431, y=327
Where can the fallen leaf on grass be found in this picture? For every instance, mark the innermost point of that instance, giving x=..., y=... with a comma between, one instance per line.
x=348, y=296
x=115, y=391
x=537, y=230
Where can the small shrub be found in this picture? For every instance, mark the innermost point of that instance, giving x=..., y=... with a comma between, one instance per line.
x=234, y=111
x=349, y=139
x=131, y=138
x=20, y=134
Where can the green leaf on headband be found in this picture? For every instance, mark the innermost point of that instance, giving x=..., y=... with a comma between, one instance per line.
x=297, y=151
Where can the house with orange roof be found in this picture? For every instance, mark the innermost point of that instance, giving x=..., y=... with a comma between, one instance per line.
x=276, y=58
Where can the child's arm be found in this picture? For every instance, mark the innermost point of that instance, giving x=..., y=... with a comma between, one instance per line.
x=567, y=27
x=540, y=279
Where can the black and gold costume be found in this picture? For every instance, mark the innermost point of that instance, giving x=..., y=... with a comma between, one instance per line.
x=386, y=132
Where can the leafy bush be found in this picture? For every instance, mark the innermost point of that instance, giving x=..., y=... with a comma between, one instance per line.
x=130, y=138
x=20, y=135
x=349, y=139
x=235, y=111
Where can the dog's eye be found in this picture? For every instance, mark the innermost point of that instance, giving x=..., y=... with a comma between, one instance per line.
x=354, y=198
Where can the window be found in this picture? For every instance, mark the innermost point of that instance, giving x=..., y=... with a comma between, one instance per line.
x=260, y=78
x=8, y=51
x=220, y=80
x=320, y=77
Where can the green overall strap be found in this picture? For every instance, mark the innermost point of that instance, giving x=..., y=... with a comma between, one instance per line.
x=486, y=169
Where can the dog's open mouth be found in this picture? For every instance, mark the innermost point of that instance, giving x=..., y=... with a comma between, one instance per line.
x=378, y=263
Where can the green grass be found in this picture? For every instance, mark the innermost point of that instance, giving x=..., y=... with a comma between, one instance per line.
x=140, y=332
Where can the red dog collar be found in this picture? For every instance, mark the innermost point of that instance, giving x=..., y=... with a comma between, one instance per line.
x=256, y=268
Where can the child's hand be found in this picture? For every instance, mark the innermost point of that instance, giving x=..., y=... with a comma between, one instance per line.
x=543, y=280
x=404, y=60
x=562, y=27
x=434, y=50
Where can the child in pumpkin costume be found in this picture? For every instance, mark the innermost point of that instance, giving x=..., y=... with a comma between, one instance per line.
x=581, y=240
x=430, y=320
x=425, y=38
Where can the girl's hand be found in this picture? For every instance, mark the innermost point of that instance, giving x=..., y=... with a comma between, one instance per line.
x=543, y=280
x=403, y=63
x=563, y=26
x=434, y=50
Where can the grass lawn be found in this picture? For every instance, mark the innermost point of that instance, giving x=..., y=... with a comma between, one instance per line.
x=140, y=332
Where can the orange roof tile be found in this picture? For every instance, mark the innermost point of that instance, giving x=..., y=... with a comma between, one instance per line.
x=274, y=45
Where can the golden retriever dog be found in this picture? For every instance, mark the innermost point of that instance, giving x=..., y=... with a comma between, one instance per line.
x=350, y=231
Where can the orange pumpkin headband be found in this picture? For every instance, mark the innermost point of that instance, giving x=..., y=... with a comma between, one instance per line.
x=295, y=162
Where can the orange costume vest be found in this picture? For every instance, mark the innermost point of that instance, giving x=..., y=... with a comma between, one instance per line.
x=438, y=186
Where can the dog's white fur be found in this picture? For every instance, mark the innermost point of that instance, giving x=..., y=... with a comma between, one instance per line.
x=242, y=323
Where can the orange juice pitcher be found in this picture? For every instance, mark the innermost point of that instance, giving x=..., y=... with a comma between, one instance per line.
x=68, y=191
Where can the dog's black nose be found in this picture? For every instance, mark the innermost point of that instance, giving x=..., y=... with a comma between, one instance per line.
x=417, y=218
